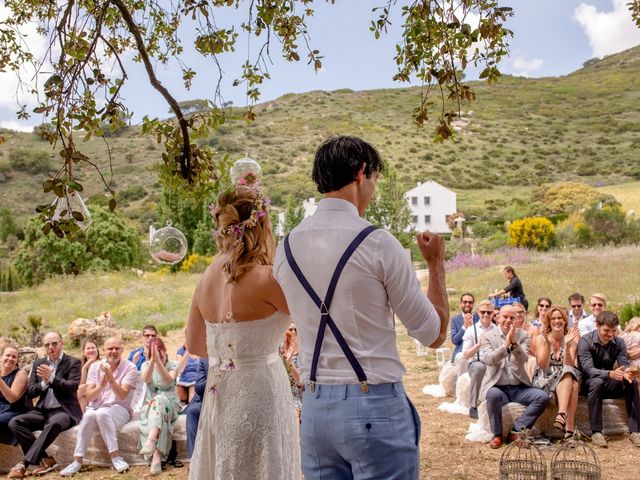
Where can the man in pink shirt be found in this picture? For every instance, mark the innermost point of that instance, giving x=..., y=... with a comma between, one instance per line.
x=110, y=386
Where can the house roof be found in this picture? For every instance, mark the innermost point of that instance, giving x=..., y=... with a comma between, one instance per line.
x=427, y=186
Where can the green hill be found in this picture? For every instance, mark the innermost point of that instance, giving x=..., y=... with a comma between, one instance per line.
x=519, y=133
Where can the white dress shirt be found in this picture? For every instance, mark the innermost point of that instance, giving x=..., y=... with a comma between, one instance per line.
x=469, y=337
x=377, y=281
x=587, y=325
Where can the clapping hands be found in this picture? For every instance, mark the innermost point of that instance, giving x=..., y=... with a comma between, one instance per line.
x=572, y=336
x=44, y=371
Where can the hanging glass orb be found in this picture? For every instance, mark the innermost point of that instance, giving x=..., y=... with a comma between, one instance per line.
x=72, y=207
x=168, y=245
x=246, y=171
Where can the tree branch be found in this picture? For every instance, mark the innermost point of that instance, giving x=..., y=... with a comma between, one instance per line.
x=185, y=161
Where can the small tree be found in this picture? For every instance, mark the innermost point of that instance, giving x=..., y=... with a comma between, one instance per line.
x=293, y=215
x=390, y=209
x=533, y=232
x=7, y=224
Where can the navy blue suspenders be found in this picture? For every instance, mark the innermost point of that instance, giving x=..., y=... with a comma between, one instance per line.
x=323, y=306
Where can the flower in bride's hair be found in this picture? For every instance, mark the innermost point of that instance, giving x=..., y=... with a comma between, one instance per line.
x=237, y=229
x=260, y=214
x=266, y=202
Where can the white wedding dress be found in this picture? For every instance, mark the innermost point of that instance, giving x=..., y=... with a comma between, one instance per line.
x=247, y=427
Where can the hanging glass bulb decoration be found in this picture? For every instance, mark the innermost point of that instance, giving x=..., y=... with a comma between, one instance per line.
x=246, y=171
x=167, y=245
x=71, y=207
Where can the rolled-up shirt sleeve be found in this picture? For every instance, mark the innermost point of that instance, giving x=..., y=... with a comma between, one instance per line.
x=406, y=297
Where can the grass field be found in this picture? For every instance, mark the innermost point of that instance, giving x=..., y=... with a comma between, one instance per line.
x=160, y=299
x=628, y=194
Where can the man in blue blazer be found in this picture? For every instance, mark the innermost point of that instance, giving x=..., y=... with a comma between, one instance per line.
x=461, y=322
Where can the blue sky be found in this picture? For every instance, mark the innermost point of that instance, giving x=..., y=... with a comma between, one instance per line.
x=551, y=38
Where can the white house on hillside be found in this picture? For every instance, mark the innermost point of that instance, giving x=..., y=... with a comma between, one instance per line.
x=430, y=205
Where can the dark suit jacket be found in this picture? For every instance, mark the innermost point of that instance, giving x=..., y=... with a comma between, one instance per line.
x=64, y=385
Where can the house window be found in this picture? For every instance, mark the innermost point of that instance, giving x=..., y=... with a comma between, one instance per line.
x=427, y=219
x=414, y=219
x=414, y=201
x=427, y=200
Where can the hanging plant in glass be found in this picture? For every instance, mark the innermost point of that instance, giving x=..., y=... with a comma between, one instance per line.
x=245, y=171
x=67, y=214
x=167, y=245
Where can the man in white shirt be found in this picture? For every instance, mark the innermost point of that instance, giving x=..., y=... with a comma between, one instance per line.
x=576, y=309
x=356, y=416
x=471, y=352
x=598, y=303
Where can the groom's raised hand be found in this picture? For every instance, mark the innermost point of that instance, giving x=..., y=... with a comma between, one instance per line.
x=431, y=246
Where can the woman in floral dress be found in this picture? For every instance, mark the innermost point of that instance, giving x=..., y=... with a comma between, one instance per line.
x=161, y=405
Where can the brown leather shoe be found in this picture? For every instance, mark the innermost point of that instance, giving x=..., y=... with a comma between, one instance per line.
x=496, y=442
x=17, y=471
x=512, y=437
x=47, y=464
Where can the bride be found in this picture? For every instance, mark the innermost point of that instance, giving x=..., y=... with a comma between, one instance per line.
x=247, y=428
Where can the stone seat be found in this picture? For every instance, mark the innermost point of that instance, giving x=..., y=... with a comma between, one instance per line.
x=128, y=443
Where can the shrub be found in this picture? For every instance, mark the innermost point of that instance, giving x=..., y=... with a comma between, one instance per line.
x=607, y=225
x=166, y=327
x=629, y=311
x=132, y=193
x=195, y=263
x=532, y=232
x=30, y=161
x=568, y=196
x=110, y=243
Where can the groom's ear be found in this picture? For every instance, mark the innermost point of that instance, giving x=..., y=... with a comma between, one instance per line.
x=360, y=176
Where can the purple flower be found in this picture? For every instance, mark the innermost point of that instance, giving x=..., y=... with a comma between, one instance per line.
x=261, y=213
x=267, y=201
x=237, y=230
x=213, y=390
x=229, y=365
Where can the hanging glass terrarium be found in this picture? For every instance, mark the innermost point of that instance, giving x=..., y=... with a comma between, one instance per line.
x=71, y=207
x=246, y=171
x=167, y=245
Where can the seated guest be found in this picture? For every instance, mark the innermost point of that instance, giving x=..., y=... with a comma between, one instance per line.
x=504, y=352
x=90, y=354
x=161, y=406
x=471, y=352
x=544, y=304
x=523, y=324
x=54, y=379
x=631, y=337
x=13, y=389
x=195, y=405
x=598, y=354
x=557, y=371
x=576, y=309
x=110, y=386
x=598, y=303
x=461, y=322
x=141, y=354
x=186, y=383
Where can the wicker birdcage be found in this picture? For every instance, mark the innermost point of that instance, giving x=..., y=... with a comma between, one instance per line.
x=575, y=460
x=522, y=460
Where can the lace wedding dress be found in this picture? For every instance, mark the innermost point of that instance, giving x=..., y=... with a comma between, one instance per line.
x=247, y=428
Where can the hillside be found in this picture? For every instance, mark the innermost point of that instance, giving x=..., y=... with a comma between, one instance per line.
x=520, y=132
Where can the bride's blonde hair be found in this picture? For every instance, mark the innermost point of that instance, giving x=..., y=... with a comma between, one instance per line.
x=243, y=231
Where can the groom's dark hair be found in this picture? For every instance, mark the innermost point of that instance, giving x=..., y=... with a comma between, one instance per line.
x=339, y=159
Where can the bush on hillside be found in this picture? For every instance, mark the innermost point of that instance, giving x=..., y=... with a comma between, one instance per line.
x=111, y=243
x=607, y=225
x=568, y=196
x=195, y=263
x=532, y=232
x=30, y=161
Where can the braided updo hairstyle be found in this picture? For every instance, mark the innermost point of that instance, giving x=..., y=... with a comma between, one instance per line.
x=254, y=245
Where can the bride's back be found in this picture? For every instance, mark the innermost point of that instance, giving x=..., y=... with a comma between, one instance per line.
x=255, y=296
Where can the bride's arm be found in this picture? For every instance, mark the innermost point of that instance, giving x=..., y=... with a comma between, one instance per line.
x=196, y=333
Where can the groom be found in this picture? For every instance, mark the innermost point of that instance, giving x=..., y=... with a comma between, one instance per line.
x=343, y=281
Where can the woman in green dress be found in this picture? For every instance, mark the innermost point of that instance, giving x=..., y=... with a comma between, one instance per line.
x=161, y=404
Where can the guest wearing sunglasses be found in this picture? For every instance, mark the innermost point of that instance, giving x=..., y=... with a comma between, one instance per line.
x=576, y=309
x=542, y=307
x=142, y=354
x=598, y=303
x=54, y=379
x=471, y=352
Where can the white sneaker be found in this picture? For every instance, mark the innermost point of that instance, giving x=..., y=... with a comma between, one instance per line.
x=71, y=469
x=119, y=464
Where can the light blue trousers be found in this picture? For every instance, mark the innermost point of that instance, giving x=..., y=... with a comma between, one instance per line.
x=347, y=434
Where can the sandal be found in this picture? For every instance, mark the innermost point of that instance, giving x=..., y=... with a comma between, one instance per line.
x=177, y=464
x=560, y=421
